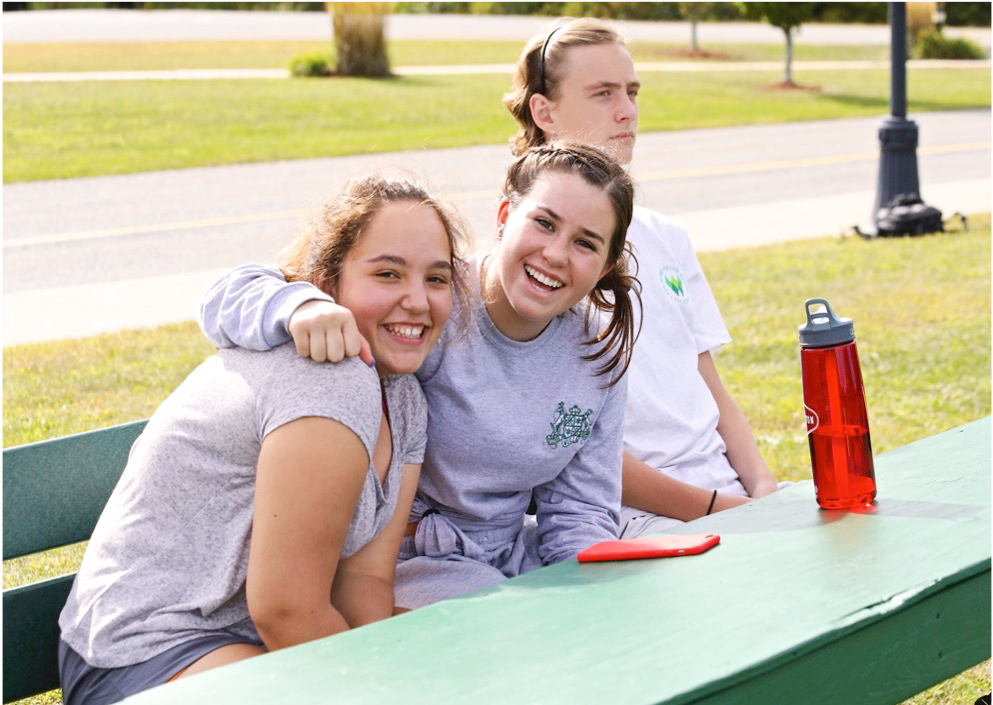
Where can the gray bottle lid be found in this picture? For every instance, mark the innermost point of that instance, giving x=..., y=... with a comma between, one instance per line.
x=823, y=327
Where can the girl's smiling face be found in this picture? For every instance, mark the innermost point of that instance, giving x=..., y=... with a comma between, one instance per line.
x=397, y=282
x=553, y=250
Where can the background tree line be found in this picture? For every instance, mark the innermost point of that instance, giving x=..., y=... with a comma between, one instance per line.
x=958, y=13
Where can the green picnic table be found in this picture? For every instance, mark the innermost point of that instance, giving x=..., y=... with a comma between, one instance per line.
x=796, y=605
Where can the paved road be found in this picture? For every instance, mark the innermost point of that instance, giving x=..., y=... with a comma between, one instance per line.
x=86, y=255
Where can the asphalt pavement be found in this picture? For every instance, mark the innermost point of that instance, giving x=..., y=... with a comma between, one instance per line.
x=139, y=250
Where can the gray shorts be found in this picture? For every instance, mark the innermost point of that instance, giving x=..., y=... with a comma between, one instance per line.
x=83, y=684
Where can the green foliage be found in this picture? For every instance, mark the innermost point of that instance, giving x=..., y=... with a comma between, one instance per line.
x=312, y=64
x=934, y=45
x=502, y=8
x=623, y=10
x=973, y=14
x=694, y=11
x=418, y=8
x=787, y=16
x=587, y=9
x=851, y=12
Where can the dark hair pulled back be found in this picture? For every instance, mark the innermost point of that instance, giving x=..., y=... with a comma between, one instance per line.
x=613, y=294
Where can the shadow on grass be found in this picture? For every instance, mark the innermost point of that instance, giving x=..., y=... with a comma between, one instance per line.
x=882, y=103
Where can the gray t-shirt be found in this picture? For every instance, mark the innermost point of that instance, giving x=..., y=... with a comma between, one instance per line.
x=169, y=557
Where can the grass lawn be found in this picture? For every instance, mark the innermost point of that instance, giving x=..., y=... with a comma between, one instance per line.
x=67, y=130
x=921, y=308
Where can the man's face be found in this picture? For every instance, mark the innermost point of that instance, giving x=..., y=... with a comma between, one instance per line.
x=596, y=100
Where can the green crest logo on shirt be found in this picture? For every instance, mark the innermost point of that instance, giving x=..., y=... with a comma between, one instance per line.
x=675, y=284
x=569, y=427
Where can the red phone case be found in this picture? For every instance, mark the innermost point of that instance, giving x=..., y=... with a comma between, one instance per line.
x=649, y=547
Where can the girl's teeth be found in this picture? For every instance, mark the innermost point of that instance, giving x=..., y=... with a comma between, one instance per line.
x=542, y=278
x=407, y=331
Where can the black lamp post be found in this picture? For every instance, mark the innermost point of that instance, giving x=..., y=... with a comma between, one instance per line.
x=899, y=209
x=897, y=134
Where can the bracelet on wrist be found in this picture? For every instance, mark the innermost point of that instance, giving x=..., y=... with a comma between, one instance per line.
x=713, y=498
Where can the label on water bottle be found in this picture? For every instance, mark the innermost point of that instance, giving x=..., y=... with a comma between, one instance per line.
x=813, y=421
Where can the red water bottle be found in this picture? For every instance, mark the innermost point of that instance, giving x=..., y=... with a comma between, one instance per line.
x=834, y=404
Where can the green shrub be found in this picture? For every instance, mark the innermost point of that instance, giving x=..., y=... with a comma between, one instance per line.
x=934, y=45
x=311, y=65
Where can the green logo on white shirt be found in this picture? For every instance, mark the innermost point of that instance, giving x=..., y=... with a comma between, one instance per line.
x=675, y=284
x=569, y=428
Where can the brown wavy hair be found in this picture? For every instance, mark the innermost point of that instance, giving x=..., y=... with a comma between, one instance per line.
x=316, y=255
x=613, y=293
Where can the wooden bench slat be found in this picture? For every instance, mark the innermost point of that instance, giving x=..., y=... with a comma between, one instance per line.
x=54, y=491
x=31, y=637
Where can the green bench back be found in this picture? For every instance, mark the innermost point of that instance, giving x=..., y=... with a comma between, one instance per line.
x=53, y=493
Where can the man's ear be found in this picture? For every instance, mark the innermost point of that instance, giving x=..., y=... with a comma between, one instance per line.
x=541, y=112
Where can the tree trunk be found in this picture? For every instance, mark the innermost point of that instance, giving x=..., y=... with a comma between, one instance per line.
x=789, y=57
x=360, y=38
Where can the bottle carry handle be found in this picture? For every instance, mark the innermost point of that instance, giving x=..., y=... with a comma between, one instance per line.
x=823, y=327
x=820, y=319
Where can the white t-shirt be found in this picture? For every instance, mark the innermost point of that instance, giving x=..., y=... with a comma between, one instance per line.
x=671, y=416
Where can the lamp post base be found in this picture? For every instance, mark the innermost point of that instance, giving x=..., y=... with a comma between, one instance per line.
x=899, y=209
